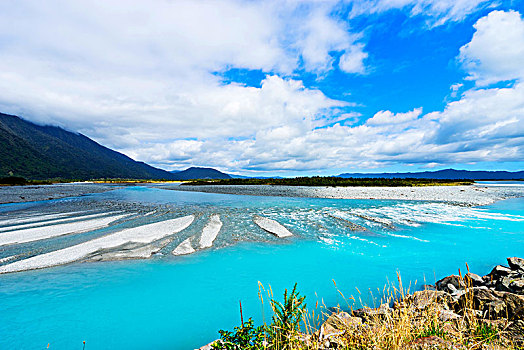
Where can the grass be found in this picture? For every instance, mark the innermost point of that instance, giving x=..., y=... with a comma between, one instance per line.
x=412, y=322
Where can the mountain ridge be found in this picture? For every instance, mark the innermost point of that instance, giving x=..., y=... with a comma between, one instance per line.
x=44, y=152
x=450, y=174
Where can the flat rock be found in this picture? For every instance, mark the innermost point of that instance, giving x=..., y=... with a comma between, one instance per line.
x=516, y=264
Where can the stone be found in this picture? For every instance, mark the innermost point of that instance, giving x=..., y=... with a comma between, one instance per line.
x=517, y=286
x=367, y=313
x=498, y=272
x=494, y=309
x=423, y=299
x=474, y=280
x=340, y=322
x=431, y=342
x=477, y=298
x=447, y=315
x=515, y=331
x=515, y=306
x=444, y=284
x=516, y=264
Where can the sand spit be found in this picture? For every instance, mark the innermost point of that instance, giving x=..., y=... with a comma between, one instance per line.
x=210, y=231
x=184, y=248
x=54, y=222
x=477, y=194
x=34, y=218
x=38, y=233
x=145, y=234
x=271, y=226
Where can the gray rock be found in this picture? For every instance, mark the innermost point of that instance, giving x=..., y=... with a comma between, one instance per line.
x=474, y=279
x=515, y=305
x=494, y=309
x=498, y=272
x=448, y=315
x=517, y=286
x=453, y=280
x=368, y=313
x=516, y=264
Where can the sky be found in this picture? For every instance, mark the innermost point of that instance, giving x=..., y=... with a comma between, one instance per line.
x=283, y=87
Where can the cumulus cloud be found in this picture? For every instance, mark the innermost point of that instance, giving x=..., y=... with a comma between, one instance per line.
x=496, y=51
x=141, y=78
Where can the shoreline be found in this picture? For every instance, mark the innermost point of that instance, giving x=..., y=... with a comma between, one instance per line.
x=457, y=312
x=472, y=195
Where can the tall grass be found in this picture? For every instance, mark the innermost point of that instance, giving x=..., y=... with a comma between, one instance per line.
x=401, y=321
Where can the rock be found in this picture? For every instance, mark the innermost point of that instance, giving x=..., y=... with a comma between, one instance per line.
x=494, y=309
x=517, y=286
x=450, y=284
x=498, y=272
x=477, y=298
x=516, y=264
x=338, y=323
x=432, y=342
x=367, y=313
x=423, y=299
x=474, y=280
x=515, y=306
x=447, y=315
x=515, y=331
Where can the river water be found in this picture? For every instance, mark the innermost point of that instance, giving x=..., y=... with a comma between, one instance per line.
x=180, y=302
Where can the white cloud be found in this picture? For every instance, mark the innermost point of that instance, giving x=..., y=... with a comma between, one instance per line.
x=496, y=52
x=139, y=77
x=387, y=117
x=353, y=60
x=437, y=12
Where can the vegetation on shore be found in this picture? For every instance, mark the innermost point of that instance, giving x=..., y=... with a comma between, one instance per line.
x=335, y=181
x=459, y=312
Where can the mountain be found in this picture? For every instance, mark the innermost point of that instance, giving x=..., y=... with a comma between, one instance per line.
x=44, y=152
x=448, y=174
x=199, y=173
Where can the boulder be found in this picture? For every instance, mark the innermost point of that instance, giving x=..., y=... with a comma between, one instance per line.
x=515, y=306
x=447, y=315
x=424, y=298
x=450, y=284
x=474, y=280
x=368, y=313
x=341, y=321
x=516, y=264
x=494, y=309
x=517, y=286
x=431, y=342
x=498, y=272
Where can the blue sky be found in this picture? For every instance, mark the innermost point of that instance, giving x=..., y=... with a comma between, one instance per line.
x=275, y=87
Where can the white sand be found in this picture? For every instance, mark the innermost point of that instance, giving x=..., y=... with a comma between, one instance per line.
x=143, y=234
x=33, y=218
x=184, y=248
x=210, y=231
x=38, y=233
x=53, y=222
x=272, y=226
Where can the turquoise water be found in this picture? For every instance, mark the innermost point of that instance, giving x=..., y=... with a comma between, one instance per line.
x=181, y=302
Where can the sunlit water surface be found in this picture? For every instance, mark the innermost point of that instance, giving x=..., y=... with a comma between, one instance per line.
x=180, y=302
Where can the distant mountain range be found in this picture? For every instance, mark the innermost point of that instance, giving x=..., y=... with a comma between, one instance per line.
x=450, y=174
x=200, y=173
x=45, y=152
